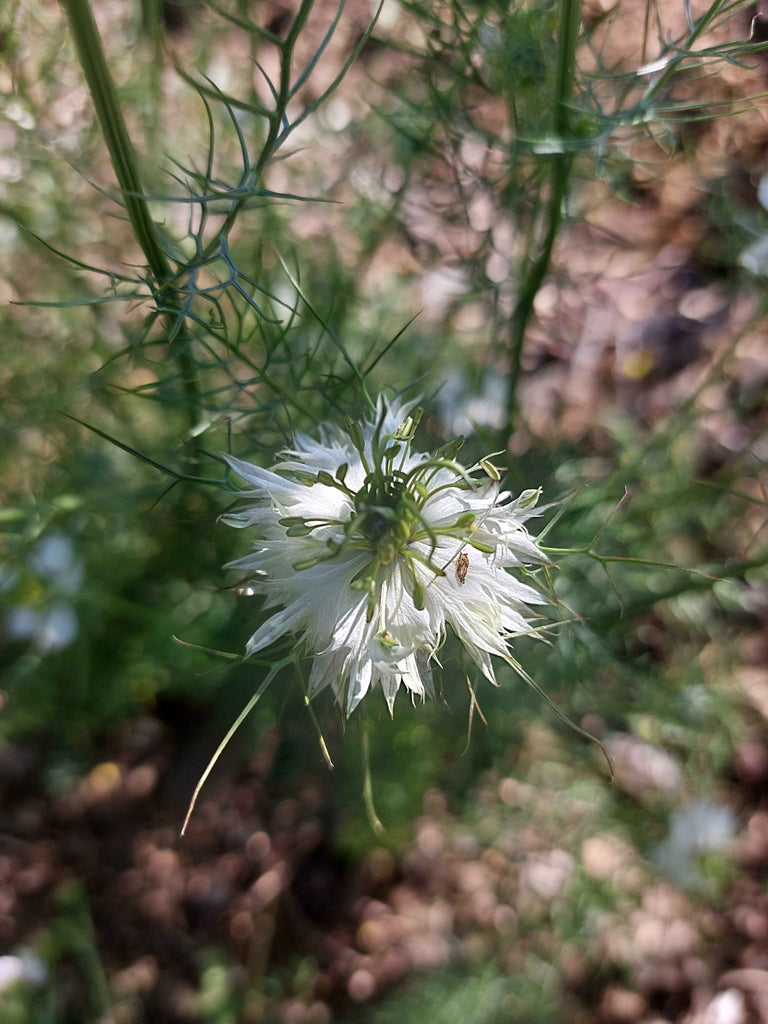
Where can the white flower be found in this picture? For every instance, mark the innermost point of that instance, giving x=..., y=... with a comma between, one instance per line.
x=701, y=827
x=755, y=256
x=25, y=966
x=369, y=550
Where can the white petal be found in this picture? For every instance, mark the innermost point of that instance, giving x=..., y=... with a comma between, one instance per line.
x=284, y=621
x=359, y=684
x=264, y=480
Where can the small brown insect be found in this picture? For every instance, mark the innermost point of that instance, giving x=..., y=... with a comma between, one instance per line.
x=462, y=565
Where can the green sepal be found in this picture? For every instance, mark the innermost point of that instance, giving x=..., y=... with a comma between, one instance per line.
x=488, y=467
x=299, y=530
x=324, y=477
x=529, y=498
x=308, y=563
x=356, y=434
x=465, y=520
x=450, y=449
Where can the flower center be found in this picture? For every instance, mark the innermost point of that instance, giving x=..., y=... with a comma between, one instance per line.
x=388, y=511
x=388, y=515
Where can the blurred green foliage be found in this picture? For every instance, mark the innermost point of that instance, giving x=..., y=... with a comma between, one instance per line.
x=281, y=307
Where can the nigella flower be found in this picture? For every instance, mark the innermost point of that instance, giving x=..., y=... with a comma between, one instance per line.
x=368, y=551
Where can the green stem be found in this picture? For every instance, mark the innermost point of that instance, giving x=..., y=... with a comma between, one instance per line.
x=370, y=810
x=92, y=61
x=104, y=94
x=536, y=271
x=75, y=937
x=231, y=732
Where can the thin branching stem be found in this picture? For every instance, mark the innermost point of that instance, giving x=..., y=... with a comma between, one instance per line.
x=536, y=270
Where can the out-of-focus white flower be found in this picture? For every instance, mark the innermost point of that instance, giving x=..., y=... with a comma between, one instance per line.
x=23, y=967
x=52, y=629
x=755, y=257
x=53, y=624
x=463, y=408
x=702, y=827
x=370, y=550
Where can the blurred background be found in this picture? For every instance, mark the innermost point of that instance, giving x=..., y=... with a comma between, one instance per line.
x=549, y=220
